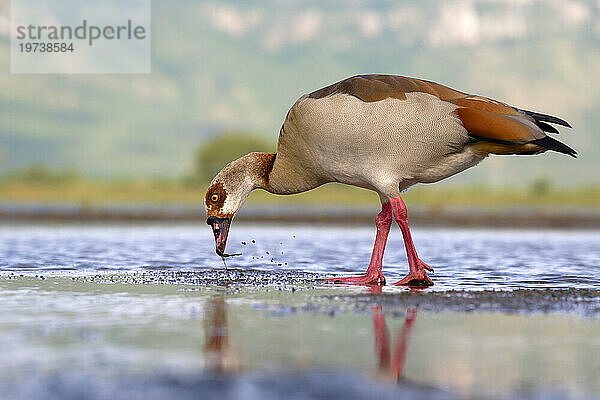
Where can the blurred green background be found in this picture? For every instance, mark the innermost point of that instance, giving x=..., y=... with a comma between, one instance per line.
x=225, y=73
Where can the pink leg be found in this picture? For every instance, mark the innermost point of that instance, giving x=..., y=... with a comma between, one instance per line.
x=417, y=275
x=374, y=274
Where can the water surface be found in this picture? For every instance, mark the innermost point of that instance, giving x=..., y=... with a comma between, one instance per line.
x=149, y=312
x=463, y=259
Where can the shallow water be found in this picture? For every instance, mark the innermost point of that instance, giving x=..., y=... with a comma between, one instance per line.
x=463, y=259
x=147, y=311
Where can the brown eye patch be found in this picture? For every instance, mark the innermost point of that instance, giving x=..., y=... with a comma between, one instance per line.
x=215, y=197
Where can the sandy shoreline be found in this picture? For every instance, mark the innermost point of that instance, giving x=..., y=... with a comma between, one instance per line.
x=451, y=216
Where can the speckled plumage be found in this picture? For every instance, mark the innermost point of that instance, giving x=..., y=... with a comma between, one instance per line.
x=387, y=145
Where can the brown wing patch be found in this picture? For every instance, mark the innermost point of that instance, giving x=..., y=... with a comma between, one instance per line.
x=503, y=129
x=370, y=88
x=485, y=104
x=497, y=127
x=441, y=91
x=215, y=198
x=492, y=120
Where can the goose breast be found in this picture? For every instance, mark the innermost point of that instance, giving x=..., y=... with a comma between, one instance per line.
x=385, y=145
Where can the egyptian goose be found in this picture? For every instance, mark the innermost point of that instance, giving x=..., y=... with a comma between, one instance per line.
x=385, y=133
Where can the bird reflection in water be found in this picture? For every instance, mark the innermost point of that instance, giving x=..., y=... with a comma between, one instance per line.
x=391, y=360
x=221, y=358
x=219, y=355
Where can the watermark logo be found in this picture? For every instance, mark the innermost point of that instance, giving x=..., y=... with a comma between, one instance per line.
x=80, y=36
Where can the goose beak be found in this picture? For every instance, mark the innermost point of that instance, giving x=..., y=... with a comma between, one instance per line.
x=220, y=227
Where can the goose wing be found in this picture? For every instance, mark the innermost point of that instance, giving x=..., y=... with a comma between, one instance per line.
x=507, y=129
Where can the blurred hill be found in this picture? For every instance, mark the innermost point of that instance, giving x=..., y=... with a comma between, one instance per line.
x=233, y=65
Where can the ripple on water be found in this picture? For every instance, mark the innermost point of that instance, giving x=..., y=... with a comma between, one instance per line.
x=462, y=258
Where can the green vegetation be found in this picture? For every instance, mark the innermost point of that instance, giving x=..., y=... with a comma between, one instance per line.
x=96, y=192
x=40, y=184
x=39, y=174
x=224, y=148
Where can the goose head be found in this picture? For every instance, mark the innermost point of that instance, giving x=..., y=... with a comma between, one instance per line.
x=229, y=190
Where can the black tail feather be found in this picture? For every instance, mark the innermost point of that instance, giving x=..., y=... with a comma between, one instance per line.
x=546, y=127
x=553, y=144
x=545, y=118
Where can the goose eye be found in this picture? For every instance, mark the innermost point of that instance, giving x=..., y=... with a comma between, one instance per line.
x=214, y=198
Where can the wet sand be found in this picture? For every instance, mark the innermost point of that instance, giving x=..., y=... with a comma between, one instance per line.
x=583, y=302
x=256, y=334
x=564, y=217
